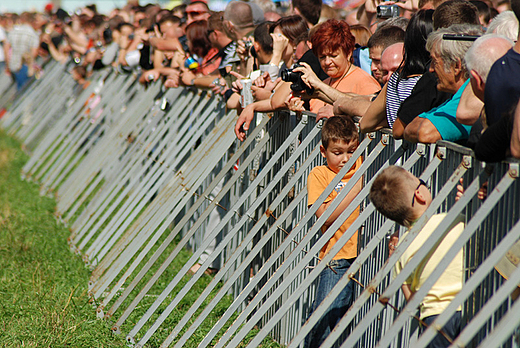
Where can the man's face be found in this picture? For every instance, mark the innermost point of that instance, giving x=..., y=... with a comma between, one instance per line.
x=196, y=12
x=390, y=61
x=300, y=50
x=445, y=75
x=126, y=30
x=374, y=54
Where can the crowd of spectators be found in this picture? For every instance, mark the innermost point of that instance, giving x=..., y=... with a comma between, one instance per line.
x=427, y=69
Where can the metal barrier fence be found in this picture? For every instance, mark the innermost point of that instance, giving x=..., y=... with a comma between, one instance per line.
x=141, y=174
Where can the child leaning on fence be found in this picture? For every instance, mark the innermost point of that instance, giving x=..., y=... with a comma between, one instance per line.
x=340, y=138
x=405, y=208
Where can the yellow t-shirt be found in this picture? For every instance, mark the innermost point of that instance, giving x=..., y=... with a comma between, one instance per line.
x=450, y=282
x=319, y=179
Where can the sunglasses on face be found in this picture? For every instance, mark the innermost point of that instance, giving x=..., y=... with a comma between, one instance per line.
x=195, y=13
x=421, y=182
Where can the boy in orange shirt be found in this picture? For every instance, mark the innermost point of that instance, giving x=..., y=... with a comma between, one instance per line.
x=340, y=138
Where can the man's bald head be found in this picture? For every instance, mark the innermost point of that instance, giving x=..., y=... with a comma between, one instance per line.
x=238, y=19
x=239, y=13
x=391, y=59
x=480, y=58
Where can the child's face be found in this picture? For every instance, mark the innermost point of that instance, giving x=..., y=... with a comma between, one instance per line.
x=338, y=153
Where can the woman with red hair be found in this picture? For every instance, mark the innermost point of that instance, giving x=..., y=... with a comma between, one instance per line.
x=333, y=44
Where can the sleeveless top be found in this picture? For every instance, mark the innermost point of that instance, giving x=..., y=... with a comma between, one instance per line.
x=396, y=93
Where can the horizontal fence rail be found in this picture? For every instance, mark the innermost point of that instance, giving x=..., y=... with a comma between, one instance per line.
x=143, y=174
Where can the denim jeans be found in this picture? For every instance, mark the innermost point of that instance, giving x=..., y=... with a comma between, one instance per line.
x=21, y=76
x=326, y=281
x=451, y=328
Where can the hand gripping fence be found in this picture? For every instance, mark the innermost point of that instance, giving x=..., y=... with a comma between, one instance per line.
x=152, y=182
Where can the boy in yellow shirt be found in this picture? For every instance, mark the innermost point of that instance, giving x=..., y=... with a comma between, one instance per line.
x=339, y=138
x=405, y=208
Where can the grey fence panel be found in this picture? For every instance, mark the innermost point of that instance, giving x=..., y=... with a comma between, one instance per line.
x=87, y=139
x=151, y=243
x=133, y=155
x=139, y=182
x=36, y=91
x=307, y=258
x=209, y=237
x=165, y=223
x=130, y=180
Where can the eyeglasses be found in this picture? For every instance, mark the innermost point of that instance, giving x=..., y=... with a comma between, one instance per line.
x=421, y=182
x=195, y=13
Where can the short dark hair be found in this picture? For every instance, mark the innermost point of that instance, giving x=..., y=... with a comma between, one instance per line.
x=309, y=9
x=263, y=38
x=292, y=27
x=385, y=37
x=455, y=12
x=338, y=128
x=396, y=207
x=482, y=9
x=169, y=18
x=216, y=21
x=203, y=3
x=124, y=24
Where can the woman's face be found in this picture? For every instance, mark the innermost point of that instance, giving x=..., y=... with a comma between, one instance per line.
x=334, y=63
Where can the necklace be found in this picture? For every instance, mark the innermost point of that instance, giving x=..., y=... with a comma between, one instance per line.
x=341, y=78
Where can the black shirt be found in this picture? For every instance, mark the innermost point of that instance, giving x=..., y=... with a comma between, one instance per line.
x=424, y=97
x=502, y=86
x=310, y=58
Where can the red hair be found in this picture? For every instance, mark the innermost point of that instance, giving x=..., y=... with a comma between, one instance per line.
x=331, y=36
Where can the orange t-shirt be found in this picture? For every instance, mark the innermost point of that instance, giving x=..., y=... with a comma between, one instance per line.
x=318, y=180
x=357, y=81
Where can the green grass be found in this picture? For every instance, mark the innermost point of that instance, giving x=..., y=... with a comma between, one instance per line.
x=43, y=286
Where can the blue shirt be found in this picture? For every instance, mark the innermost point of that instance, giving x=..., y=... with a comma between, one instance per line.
x=444, y=118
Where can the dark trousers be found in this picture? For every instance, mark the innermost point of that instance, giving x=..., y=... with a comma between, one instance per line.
x=452, y=329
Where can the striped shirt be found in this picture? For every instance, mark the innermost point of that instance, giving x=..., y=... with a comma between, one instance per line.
x=396, y=93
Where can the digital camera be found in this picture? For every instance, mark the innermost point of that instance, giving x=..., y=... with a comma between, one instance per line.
x=295, y=77
x=387, y=11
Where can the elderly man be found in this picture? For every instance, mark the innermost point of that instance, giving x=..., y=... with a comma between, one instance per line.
x=448, y=64
x=391, y=59
x=503, y=83
x=479, y=59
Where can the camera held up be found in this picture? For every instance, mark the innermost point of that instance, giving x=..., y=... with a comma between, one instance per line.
x=288, y=75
